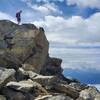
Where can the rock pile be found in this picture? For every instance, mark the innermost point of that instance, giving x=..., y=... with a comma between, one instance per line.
x=28, y=73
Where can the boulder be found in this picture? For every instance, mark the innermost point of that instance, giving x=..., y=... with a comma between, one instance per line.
x=6, y=75
x=78, y=86
x=23, y=86
x=97, y=97
x=22, y=45
x=68, y=90
x=26, y=86
x=2, y=97
x=80, y=98
x=45, y=81
x=16, y=95
x=67, y=80
x=59, y=97
x=56, y=97
x=55, y=62
x=89, y=94
x=52, y=67
x=22, y=73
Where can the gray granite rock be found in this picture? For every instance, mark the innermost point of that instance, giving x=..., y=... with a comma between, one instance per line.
x=6, y=75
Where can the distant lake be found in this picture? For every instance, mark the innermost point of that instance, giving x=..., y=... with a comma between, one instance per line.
x=82, y=63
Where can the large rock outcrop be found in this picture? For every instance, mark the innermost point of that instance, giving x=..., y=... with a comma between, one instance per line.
x=22, y=45
x=28, y=73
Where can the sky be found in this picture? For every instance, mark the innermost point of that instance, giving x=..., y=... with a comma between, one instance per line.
x=67, y=23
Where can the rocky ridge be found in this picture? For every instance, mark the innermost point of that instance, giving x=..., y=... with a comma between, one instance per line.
x=27, y=72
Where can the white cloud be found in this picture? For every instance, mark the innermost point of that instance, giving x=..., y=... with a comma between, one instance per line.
x=42, y=0
x=76, y=29
x=85, y=3
x=5, y=16
x=49, y=0
x=78, y=58
x=46, y=8
x=76, y=32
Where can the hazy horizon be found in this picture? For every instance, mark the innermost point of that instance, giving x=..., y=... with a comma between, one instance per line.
x=80, y=63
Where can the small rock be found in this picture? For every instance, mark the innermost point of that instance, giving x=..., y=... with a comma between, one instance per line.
x=60, y=97
x=24, y=86
x=68, y=90
x=57, y=97
x=27, y=86
x=80, y=98
x=97, y=97
x=30, y=74
x=19, y=75
x=43, y=80
x=43, y=97
x=16, y=95
x=89, y=94
x=78, y=86
x=2, y=97
x=6, y=75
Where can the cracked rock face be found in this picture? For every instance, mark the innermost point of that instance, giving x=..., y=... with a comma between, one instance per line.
x=22, y=45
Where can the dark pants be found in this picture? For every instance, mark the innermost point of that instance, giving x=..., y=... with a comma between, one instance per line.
x=19, y=20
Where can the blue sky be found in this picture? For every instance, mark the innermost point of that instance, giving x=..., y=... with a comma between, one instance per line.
x=67, y=23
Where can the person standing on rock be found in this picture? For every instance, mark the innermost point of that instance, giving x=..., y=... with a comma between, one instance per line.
x=18, y=16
